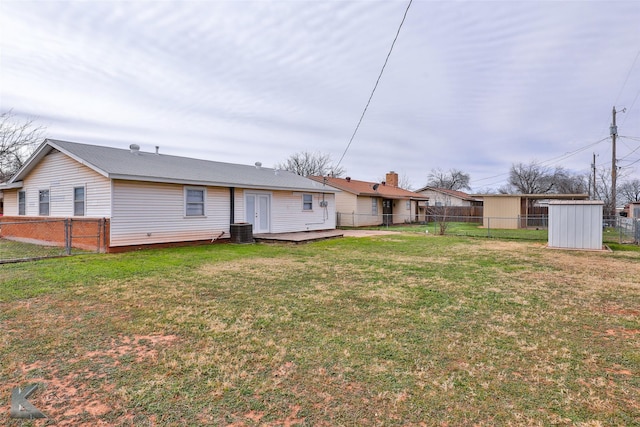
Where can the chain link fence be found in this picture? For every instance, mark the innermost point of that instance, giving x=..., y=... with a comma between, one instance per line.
x=530, y=227
x=25, y=239
x=618, y=229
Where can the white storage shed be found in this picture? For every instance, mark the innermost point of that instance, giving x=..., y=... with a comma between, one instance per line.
x=575, y=224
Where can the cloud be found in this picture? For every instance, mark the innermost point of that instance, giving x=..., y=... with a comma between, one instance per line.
x=470, y=85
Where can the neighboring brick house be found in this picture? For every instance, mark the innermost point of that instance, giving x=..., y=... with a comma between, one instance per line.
x=149, y=198
x=363, y=203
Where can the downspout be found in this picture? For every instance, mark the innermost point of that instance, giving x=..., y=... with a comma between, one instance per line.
x=232, y=205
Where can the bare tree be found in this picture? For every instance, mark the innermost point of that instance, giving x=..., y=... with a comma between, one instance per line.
x=506, y=189
x=306, y=163
x=531, y=178
x=453, y=179
x=629, y=191
x=568, y=183
x=440, y=213
x=18, y=139
x=405, y=183
x=603, y=189
x=487, y=190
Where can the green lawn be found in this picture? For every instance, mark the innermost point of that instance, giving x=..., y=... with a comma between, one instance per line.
x=12, y=250
x=407, y=329
x=471, y=229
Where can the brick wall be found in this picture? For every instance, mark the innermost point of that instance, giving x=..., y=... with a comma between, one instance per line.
x=88, y=233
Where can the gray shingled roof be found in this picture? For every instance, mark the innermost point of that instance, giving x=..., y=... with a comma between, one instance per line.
x=117, y=163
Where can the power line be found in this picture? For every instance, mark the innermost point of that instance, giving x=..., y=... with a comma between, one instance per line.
x=632, y=163
x=553, y=159
x=631, y=107
x=632, y=151
x=635, y=138
x=627, y=78
x=572, y=153
x=376, y=85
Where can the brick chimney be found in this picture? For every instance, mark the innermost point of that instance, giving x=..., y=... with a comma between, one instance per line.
x=392, y=179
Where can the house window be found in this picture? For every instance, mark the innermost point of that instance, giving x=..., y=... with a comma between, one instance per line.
x=374, y=206
x=307, y=202
x=408, y=205
x=78, y=201
x=43, y=203
x=194, y=201
x=22, y=203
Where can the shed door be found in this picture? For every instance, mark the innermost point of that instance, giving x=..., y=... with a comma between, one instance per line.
x=258, y=211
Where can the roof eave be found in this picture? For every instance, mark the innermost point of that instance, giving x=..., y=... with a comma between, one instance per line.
x=40, y=152
x=10, y=186
x=124, y=177
x=79, y=159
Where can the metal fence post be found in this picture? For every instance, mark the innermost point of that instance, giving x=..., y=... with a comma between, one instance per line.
x=99, y=233
x=67, y=235
x=103, y=228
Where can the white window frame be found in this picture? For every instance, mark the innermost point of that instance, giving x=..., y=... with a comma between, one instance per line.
x=47, y=203
x=76, y=202
x=22, y=207
x=307, y=202
x=374, y=206
x=203, y=203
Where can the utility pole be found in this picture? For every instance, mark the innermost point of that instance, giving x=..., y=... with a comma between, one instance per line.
x=614, y=167
x=593, y=177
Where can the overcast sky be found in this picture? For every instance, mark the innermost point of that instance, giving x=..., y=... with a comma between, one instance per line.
x=471, y=85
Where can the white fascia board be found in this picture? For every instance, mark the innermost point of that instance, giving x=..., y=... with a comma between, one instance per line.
x=12, y=185
x=216, y=184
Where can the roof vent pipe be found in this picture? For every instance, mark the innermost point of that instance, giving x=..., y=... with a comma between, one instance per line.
x=258, y=165
x=157, y=149
x=348, y=179
x=135, y=148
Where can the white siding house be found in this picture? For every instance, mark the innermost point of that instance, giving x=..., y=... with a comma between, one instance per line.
x=445, y=197
x=363, y=203
x=60, y=175
x=151, y=198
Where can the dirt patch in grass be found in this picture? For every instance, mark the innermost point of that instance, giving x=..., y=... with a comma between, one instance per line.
x=82, y=396
x=77, y=387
